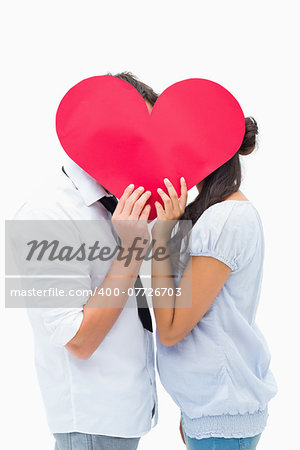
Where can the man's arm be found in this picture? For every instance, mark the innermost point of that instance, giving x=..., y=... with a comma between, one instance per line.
x=101, y=311
x=98, y=316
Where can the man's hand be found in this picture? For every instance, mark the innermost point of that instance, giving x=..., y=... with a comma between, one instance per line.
x=130, y=216
x=101, y=311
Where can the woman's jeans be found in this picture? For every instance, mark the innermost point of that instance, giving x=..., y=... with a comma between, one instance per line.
x=82, y=441
x=215, y=443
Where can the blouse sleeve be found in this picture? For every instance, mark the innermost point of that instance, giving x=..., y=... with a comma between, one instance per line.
x=226, y=232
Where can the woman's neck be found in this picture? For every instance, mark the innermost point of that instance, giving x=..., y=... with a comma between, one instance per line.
x=237, y=196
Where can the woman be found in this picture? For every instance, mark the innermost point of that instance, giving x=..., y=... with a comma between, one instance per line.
x=211, y=356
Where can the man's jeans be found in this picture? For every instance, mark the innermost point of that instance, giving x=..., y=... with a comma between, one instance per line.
x=82, y=441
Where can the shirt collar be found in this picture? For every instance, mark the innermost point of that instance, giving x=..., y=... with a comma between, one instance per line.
x=90, y=190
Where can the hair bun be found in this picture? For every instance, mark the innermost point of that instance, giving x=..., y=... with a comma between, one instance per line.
x=249, y=141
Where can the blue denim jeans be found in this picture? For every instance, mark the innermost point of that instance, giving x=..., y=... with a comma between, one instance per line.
x=82, y=441
x=215, y=443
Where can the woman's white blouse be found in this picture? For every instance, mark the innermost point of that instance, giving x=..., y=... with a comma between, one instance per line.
x=219, y=373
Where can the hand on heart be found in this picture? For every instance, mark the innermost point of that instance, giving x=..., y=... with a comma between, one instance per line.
x=104, y=125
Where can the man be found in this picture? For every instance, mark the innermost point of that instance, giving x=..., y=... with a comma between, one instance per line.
x=95, y=365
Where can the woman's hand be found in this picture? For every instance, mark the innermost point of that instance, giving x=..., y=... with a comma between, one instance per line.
x=173, y=206
x=172, y=210
x=131, y=215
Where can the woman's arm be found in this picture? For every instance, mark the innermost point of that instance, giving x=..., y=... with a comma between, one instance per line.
x=203, y=277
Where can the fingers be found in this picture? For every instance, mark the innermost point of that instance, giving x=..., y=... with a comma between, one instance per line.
x=139, y=205
x=183, y=194
x=132, y=202
x=168, y=206
x=159, y=210
x=145, y=213
x=174, y=206
x=173, y=195
x=131, y=199
x=127, y=192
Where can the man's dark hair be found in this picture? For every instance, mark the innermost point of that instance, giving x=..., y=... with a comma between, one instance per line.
x=146, y=91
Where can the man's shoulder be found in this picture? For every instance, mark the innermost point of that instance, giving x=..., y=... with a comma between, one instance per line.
x=52, y=200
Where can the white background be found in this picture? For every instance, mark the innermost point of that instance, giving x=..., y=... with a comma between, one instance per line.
x=251, y=48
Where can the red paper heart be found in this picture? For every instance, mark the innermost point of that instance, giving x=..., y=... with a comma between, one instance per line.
x=104, y=125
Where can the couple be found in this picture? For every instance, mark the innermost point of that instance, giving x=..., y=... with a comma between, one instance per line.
x=96, y=365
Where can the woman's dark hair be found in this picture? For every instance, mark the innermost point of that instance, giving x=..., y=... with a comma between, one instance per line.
x=146, y=91
x=225, y=180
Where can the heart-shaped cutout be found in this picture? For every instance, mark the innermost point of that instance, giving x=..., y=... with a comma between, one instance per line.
x=104, y=125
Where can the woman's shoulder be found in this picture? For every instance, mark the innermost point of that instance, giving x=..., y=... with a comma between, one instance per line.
x=232, y=214
x=230, y=230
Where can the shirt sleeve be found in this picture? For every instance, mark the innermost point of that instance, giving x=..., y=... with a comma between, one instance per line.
x=61, y=324
x=225, y=232
x=59, y=315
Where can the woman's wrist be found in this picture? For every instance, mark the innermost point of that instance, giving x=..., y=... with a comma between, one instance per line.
x=161, y=233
